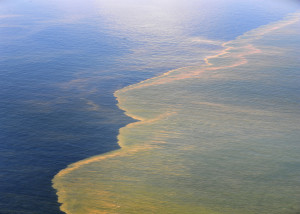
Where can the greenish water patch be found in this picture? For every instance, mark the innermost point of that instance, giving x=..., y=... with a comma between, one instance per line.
x=218, y=139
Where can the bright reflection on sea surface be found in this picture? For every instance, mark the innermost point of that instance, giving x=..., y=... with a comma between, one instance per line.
x=170, y=34
x=181, y=33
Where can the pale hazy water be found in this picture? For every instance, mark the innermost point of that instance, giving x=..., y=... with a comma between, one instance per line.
x=61, y=61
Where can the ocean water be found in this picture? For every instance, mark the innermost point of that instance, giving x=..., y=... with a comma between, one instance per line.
x=221, y=142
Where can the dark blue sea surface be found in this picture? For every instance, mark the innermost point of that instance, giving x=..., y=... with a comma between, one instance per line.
x=60, y=63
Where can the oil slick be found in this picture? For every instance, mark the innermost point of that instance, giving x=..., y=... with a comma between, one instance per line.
x=221, y=138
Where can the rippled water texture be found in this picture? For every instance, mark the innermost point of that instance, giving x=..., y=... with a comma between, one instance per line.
x=218, y=138
x=61, y=62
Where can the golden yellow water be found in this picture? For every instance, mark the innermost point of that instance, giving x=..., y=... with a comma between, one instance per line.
x=222, y=138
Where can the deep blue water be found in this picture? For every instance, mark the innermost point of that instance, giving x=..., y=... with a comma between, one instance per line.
x=60, y=64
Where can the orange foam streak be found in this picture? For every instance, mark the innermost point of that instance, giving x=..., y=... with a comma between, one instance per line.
x=170, y=77
x=240, y=57
x=79, y=164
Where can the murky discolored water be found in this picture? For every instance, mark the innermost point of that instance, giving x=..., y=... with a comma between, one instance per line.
x=218, y=138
